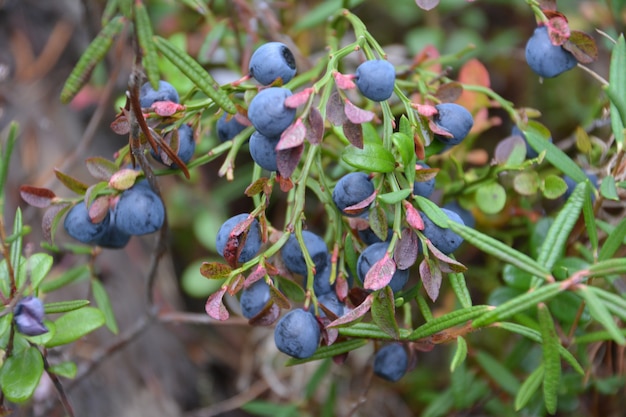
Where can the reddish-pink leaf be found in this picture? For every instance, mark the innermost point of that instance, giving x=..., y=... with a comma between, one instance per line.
x=413, y=217
x=355, y=313
x=357, y=115
x=380, y=274
x=292, y=137
x=427, y=4
x=438, y=130
x=343, y=81
x=359, y=207
x=354, y=133
x=51, y=219
x=167, y=108
x=214, y=306
x=298, y=99
x=329, y=334
x=558, y=30
x=547, y=5
x=446, y=263
x=582, y=46
x=236, y=285
x=101, y=168
x=120, y=125
x=215, y=270
x=285, y=184
x=99, y=209
x=474, y=72
x=72, y=183
x=287, y=161
x=315, y=127
x=123, y=179
x=36, y=196
x=267, y=316
x=449, y=92
x=236, y=241
x=334, y=109
x=426, y=110
x=407, y=249
x=256, y=275
x=431, y=278
x=341, y=287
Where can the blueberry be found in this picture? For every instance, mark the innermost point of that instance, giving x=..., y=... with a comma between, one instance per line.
x=186, y=145
x=321, y=279
x=544, y=58
x=254, y=299
x=390, y=362
x=139, y=211
x=228, y=127
x=114, y=237
x=294, y=258
x=272, y=61
x=28, y=316
x=148, y=95
x=374, y=253
x=253, y=239
x=297, y=334
x=465, y=215
x=351, y=189
x=424, y=188
x=443, y=239
x=571, y=184
x=530, y=152
x=454, y=119
x=368, y=236
x=78, y=225
x=263, y=150
x=375, y=79
x=267, y=111
x=332, y=303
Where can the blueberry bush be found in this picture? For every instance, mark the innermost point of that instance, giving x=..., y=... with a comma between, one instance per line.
x=410, y=219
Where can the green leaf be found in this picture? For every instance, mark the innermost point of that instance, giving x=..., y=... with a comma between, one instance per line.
x=319, y=14
x=499, y=250
x=608, y=267
x=459, y=286
x=491, y=198
x=95, y=52
x=432, y=211
x=69, y=276
x=17, y=260
x=144, y=35
x=590, y=222
x=70, y=182
x=551, y=358
x=7, y=151
x=447, y=321
x=529, y=388
x=292, y=290
x=64, y=369
x=335, y=349
x=314, y=383
x=537, y=136
x=65, y=306
x=369, y=331
x=613, y=242
x=76, y=324
x=372, y=158
x=616, y=90
x=460, y=353
x=608, y=189
x=516, y=278
x=527, y=183
x=270, y=409
x=494, y=368
x=384, y=312
x=38, y=265
x=553, y=186
x=519, y=304
x=104, y=304
x=600, y=313
x=613, y=302
x=20, y=374
x=394, y=196
x=194, y=71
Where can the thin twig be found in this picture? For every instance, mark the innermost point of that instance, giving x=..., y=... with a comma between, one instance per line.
x=59, y=387
x=233, y=402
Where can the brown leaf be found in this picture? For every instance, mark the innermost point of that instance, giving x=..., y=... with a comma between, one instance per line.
x=120, y=125
x=343, y=81
x=425, y=174
x=298, y=99
x=236, y=241
x=354, y=133
x=285, y=184
x=36, y=196
x=582, y=46
x=287, y=161
x=449, y=92
x=407, y=249
x=215, y=270
x=267, y=316
x=360, y=206
x=315, y=128
x=257, y=187
x=236, y=285
x=558, y=30
x=380, y=274
x=357, y=115
x=214, y=306
x=72, y=183
x=334, y=109
x=413, y=217
x=355, y=313
x=431, y=278
x=292, y=137
x=378, y=221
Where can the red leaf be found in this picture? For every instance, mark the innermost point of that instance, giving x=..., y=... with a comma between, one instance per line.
x=357, y=115
x=299, y=98
x=344, y=82
x=360, y=206
x=449, y=92
x=72, y=183
x=123, y=179
x=315, y=130
x=380, y=274
x=427, y=4
x=446, y=263
x=341, y=287
x=267, y=316
x=474, y=72
x=334, y=109
x=407, y=249
x=236, y=285
x=292, y=137
x=558, y=30
x=429, y=53
x=413, y=217
x=355, y=313
x=425, y=110
x=285, y=184
x=36, y=196
x=438, y=130
x=431, y=278
x=287, y=161
x=236, y=241
x=354, y=133
x=256, y=275
x=167, y=108
x=101, y=168
x=120, y=125
x=99, y=209
x=214, y=306
x=582, y=46
x=215, y=270
x=51, y=218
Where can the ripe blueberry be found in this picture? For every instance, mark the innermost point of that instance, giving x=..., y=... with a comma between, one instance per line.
x=332, y=303
x=254, y=299
x=253, y=239
x=228, y=127
x=113, y=237
x=374, y=253
x=390, y=362
x=186, y=145
x=294, y=258
x=544, y=58
x=148, y=95
x=263, y=150
x=139, y=211
x=321, y=280
x=267, y=111
x=297, y=334
x=443, y=239
x=454, y=119
x=272, y=61
x=424, y=188
x=351, y=189
x=571, y=184
x=375, y=79
x=28, y=316
x=78, y=225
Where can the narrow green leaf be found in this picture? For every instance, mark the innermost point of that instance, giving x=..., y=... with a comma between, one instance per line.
x=600, y=313
x=76, y=324
x=460, y=353
x=20, y=374
x=537, y=135
x=17, y=260
x=103, y=302
x=405, y=146
x=519, y=304
x=144, y=35
x=432, y=211
x=66, y=278
x=447, y=321
x=314, y=383
x=38, y=266
x=599, y=336
x=64, y=369
x=269, y=409
x=424, y=307
x=613, y=241
x=499, y=250
x=529, y=388
x=551, y=358
x=616, y=90
x=95, y=52
x=197, y=5
x=329, y=351
x=64, y=306
x=500, y=374
x=608, y=267
x=109, y=11
x=459, y=286
x=384, y=312
x=369, y=331
x=7, y=151
x=394, y=196
x=613, y=302
x=608, y=189
x=590, y=221
x=372, y=158
x=194, y=71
